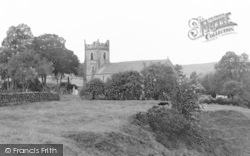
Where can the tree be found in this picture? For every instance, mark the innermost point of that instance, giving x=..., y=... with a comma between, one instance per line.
x=159, y=80
x=194, y=77
x=43, y=67
x=185, y=100
x=232, y=66
x=232, y=88
x=94, y=87
x=52, y=47
x=18, y=38
x=178, y=69
x=124, y=86
x=180, y=75
x=27, y=66
x=81, y=71
x=5, y=55
x=48, y=42
x=213, y=83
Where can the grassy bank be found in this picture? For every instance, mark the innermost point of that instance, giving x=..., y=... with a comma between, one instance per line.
x=104, y=127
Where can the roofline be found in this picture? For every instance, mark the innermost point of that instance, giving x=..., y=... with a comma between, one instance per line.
x=141, y=61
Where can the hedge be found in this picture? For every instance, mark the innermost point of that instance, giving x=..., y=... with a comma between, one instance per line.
x=21, y=97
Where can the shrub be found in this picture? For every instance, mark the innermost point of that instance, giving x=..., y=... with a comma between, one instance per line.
x=93, y=88
x=232, y=88
x=124, y=86
x=174, y=131
x=35, y=85
x=222, y=101
x=246, y=99
x=171, y=127
x=204, y=98
x=159, y=79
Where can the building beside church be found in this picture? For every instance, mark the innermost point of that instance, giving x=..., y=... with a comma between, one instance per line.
x=98, y=65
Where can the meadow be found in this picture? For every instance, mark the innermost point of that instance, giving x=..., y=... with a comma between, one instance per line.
x=103, y=127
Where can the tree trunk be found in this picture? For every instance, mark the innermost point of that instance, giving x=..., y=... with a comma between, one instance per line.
x=8, y=87
x=45, y=79
x=42, y=80
x=93, y=96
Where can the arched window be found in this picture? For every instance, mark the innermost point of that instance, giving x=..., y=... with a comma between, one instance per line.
x=91, y=56
x=92, y=69
x=104, y=56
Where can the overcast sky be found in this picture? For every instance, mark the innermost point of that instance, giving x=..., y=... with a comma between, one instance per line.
x=137, y=29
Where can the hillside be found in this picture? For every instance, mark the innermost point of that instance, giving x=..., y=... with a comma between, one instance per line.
x=199, y=68
x=104, y=128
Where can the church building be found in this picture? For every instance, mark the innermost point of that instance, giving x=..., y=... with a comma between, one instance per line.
x=98, y=65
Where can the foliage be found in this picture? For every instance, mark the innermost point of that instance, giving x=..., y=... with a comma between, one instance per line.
x=231, y=71
x=174, y=131
x=52, y=47
x=232, y=88
x=171, y=128
x=81, y=71
x=94, y=87
x=178, y=69
x=18, y=38
x=231, y=77
x=35, y=85
x=159, y=79
x=232, y=66
x=213, y=83
x=185, y=100
x=26, y=67
x=220, y=101
x=124, y=86
x=48, y=56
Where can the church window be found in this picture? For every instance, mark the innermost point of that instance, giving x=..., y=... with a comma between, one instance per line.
x=93, y=69
x=104, y=56
x=91, y=56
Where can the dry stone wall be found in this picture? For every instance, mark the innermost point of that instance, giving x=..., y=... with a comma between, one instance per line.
x=19, y=98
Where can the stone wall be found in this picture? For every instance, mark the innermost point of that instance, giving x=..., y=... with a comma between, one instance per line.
x=19, y=98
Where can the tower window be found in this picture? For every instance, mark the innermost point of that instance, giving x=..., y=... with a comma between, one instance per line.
x=91, y=56
x=104, y=56
x=93, y=69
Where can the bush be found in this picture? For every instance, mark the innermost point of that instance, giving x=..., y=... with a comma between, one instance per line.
x=35, y=85
x=246, y=99
x=159, y=79
x=171, y=127
x=222, y=101
x=174, y=131
x=124, y=86
x=93, y=88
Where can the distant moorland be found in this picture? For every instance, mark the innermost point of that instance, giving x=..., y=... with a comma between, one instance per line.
x=199, y=68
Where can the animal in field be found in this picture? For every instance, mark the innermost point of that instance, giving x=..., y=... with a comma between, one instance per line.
x=165, y=103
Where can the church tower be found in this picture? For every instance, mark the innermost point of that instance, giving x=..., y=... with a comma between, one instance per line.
x=96, y=55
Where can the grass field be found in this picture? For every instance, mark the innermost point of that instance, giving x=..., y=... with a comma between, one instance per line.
x=95, y=127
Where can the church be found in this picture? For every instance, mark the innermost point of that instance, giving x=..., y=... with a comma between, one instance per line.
x=98, y=65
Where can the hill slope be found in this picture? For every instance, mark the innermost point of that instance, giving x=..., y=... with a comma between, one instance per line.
x=199, y=68
x=104, y=128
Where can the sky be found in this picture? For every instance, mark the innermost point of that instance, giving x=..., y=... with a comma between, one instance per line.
x=136, y=29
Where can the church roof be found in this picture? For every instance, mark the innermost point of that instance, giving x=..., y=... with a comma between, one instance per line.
x=111, y=68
